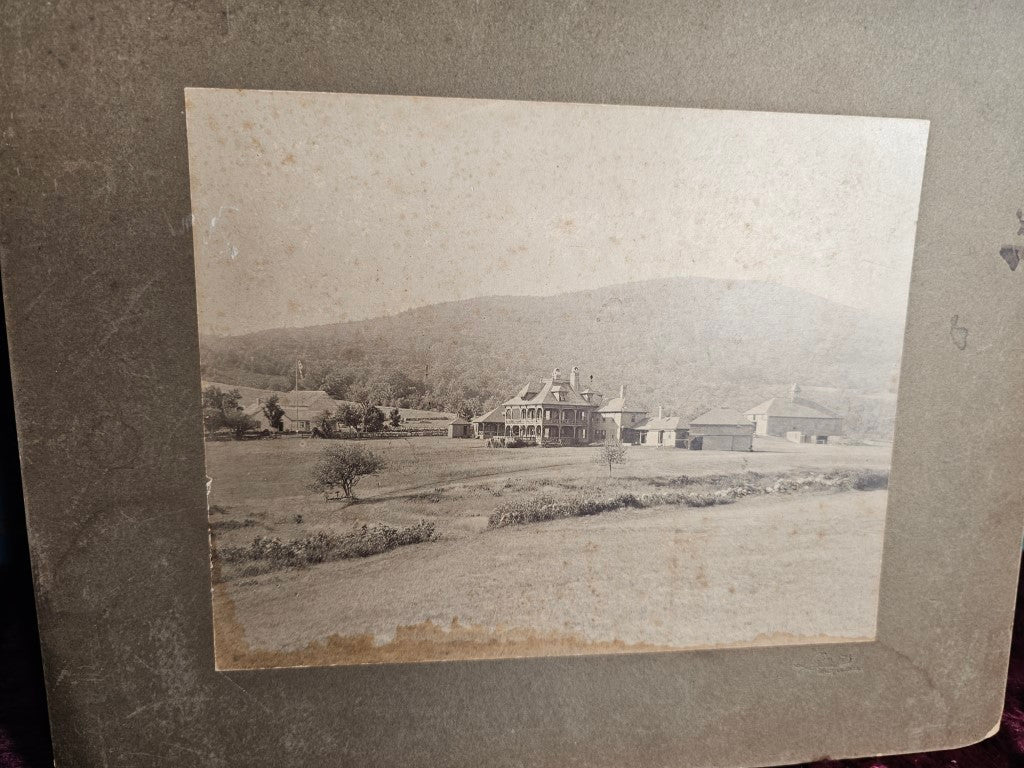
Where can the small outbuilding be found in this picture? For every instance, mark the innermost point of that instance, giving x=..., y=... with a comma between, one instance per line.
x=490, y=424
x=722, y=429
x=459, y=427
x=662, y=430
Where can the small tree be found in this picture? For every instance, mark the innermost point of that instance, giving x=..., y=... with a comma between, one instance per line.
x=326, y=422
x=342, y=466
x=274, y=412
x=395, y=417
x=612, y=452
x=349, y=416
x=466, y=412
x=239, y=422
x=373, y=419
x=221, y=409
x=218, y=407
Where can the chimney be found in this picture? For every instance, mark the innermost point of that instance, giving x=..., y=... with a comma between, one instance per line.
x=574, y=378
x=556, y=374
x=622, y=391
x=794, y=392
x=659, y=412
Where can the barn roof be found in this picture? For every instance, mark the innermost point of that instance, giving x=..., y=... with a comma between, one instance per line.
x=497, y=416
x=792, y=407
x=722, y=417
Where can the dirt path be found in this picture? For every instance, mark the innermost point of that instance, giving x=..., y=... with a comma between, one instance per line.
x=761, y=570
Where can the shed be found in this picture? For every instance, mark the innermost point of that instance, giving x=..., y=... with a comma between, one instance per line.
x=722, y=429
x=459, y=427
x=662, y=430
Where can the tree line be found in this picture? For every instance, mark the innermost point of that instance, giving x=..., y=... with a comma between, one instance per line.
x=222, y=410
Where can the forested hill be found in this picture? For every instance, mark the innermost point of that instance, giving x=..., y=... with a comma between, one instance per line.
x=686, y=344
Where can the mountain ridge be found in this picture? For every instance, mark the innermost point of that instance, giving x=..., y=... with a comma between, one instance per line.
x=540, y=296
x=684, y=343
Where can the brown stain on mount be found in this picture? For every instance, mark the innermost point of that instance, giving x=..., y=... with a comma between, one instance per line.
x=428, y=642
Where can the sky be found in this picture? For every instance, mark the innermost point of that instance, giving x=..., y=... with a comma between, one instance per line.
x=312, y=208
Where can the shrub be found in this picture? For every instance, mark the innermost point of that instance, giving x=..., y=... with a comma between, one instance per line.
x=870, y=481
x=324, y=546
x=714, y=490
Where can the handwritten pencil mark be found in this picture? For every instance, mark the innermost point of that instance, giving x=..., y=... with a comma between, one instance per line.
x=1011, y=255
x=958, y=333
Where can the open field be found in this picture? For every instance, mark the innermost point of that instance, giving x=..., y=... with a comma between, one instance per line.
x=767, y=569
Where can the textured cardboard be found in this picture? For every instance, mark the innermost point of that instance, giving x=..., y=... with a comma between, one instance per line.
x=100, y=302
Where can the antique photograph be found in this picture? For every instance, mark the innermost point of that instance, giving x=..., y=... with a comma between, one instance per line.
x=497, y=379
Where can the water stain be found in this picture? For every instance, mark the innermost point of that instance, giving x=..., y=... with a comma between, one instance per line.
x=429, y=642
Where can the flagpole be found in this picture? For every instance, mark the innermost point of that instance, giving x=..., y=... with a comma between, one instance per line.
x=298, y=405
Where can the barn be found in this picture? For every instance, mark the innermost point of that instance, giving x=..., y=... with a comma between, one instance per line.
x=722, y=429
x=795, y=418
x=490, y=424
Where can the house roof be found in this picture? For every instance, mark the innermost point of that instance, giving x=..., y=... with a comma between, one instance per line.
x=654, y=423
x=458, y=420
x=792, y=407
x=306, y=404
x=722, y=417
x=618, y=405
x=302, y=397
x=497, y=416
x=544, y=393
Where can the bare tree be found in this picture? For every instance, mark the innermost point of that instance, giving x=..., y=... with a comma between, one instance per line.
x=610, y=453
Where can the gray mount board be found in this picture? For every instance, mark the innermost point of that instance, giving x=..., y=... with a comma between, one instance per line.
x=100, y=300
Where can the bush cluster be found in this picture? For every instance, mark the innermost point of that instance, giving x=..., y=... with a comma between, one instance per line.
x=716, y=489
x=519, y=511
x=323, y=546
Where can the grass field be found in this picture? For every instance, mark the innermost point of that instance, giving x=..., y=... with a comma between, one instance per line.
x=764, y=569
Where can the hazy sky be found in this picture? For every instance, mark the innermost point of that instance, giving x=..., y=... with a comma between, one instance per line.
x=315, y=208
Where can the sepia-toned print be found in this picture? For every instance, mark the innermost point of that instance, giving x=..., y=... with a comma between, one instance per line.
x=492, y=379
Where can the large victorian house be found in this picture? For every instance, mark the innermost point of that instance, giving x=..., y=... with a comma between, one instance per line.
x=553, y=411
